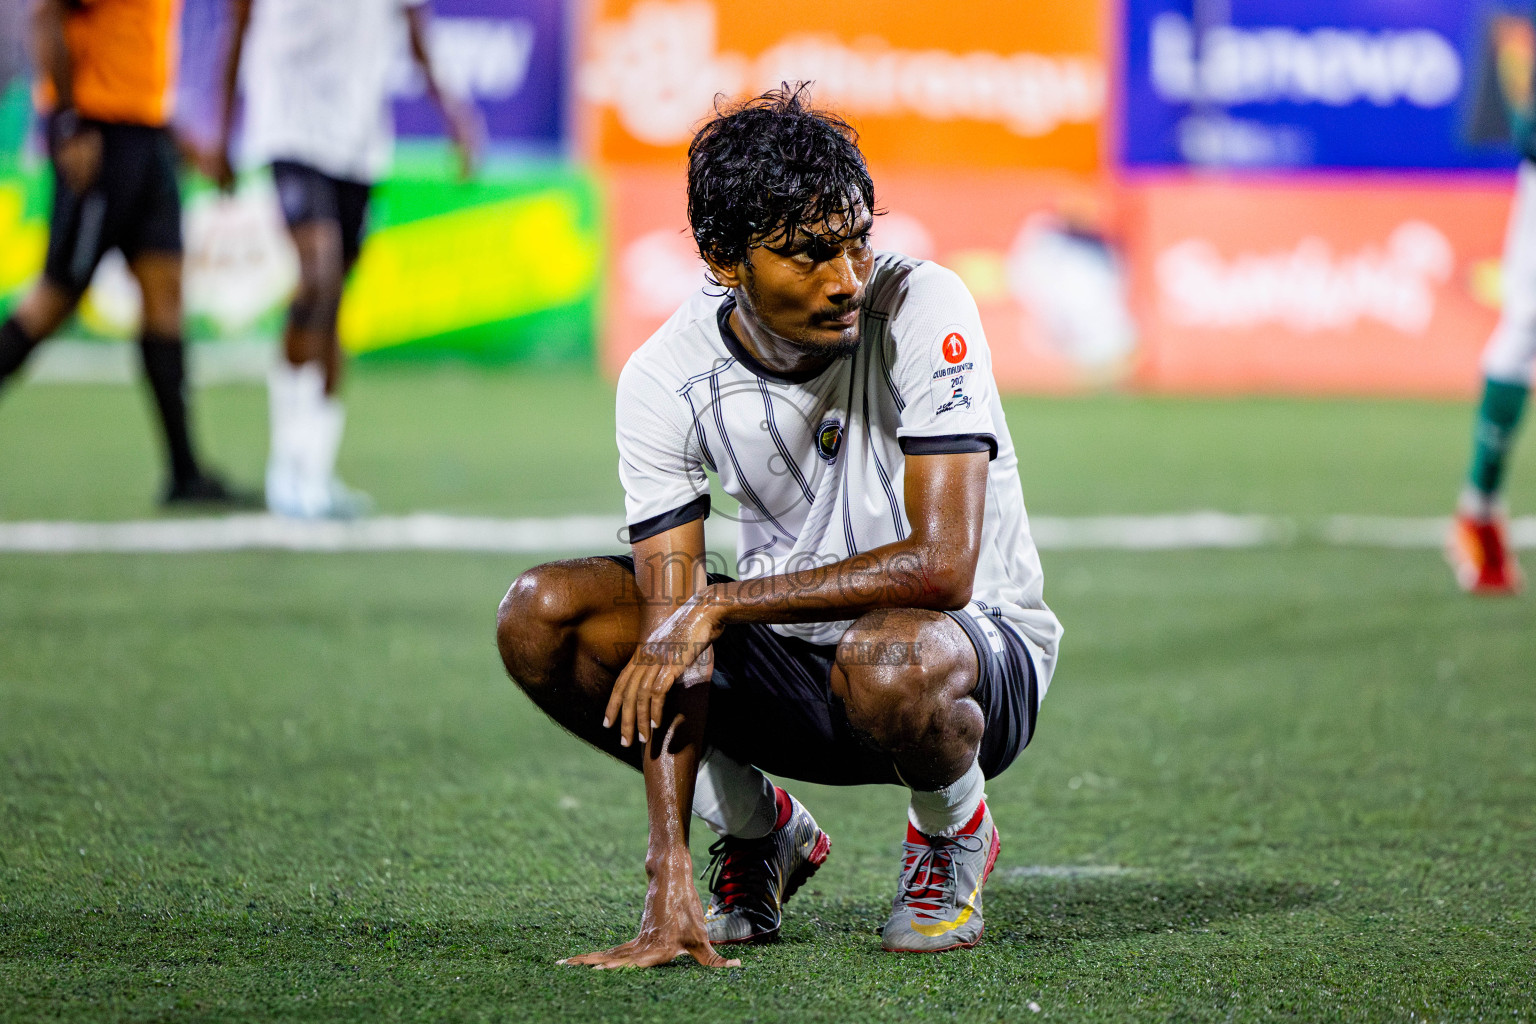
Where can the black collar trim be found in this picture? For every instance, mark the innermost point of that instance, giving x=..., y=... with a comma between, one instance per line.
x=736, y=348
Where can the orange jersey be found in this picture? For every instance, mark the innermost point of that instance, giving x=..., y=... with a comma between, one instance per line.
x=123, y=56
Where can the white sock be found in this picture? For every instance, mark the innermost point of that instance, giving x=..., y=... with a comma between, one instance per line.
x=734, y=799
x=326, y=421
x=941, y=812
x=292, y=392
x=1478, y=505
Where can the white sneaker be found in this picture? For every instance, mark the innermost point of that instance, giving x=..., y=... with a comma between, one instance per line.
x=335, y=501
x=938, y=899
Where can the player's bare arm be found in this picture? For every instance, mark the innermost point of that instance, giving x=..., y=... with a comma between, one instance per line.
x=50, y=51
x=76, y=147
x=669, y=570
x=931, y=569
x=465, y=126
x=217, y=165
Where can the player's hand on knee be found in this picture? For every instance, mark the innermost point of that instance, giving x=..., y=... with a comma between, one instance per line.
x=677, y=649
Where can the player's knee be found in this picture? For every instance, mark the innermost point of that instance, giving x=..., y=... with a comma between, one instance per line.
x=534, y=601
x=44, y=309
x=890, y=705
x=322, y=280
x=162, y=312
x=315, y=301
x=895, y=680
x=539, y=608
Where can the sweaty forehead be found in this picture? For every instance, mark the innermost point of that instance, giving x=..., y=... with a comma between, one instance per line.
x=840, y=225
x=832, y=228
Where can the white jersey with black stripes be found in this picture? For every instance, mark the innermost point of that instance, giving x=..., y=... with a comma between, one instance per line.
x=317, y=77
x=817, y=461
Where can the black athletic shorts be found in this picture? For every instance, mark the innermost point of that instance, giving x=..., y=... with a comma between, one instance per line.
x=134, y=205
x=772, y=703
x=308, y=195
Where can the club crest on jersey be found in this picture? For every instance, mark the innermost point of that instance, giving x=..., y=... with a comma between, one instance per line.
x=953, y=348
x=829, y=440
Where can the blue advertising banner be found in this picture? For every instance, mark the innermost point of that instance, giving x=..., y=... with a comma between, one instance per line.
x=1310, y=83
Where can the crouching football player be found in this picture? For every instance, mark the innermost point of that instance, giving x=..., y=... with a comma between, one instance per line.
x=888, y=626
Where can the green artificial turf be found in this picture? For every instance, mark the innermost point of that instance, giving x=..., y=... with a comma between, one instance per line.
x=541, y=443
x=1294, y=783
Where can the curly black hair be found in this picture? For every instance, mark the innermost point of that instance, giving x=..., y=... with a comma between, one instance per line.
x=758, y=170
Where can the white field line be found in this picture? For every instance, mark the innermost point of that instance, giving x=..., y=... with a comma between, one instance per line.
x=1164, y=532
x=421, y=532
x=67, y=361
x=1068, y=871
x=599, y=534
x=1407, y=532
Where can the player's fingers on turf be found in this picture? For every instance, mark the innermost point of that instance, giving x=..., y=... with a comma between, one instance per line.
x=705, y=954
x=590, y=959
x=611, y=957
x=634, y=954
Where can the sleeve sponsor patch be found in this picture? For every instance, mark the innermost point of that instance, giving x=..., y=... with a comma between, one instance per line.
x=957, y=398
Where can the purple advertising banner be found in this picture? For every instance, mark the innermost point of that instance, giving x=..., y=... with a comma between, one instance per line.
x=509, y=56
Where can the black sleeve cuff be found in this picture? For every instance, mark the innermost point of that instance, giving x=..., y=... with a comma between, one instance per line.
x=698, y=508
x=950, y=444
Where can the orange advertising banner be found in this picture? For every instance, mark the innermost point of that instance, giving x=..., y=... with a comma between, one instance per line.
x=1352, y=286
x=1027, y=244
x=992, y=83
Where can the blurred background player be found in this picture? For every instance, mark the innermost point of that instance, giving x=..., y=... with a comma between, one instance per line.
x=316, y=87
x=106, y=78
x=1478, y=547
x=12, y=41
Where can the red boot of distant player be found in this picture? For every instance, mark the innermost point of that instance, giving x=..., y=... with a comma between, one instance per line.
x=1479, y=553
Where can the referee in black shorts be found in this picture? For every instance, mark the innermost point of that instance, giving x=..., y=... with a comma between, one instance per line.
x=107, y=70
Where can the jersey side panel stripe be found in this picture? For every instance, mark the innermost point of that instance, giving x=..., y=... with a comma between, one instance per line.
x=848, y=538
x=885, y=480
x=746, y=486
x=757, y=550
x=698, y=429
x=885, y=371
x=853, y=545
x=721, y=367
x=778, y=440
x=686, y=390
